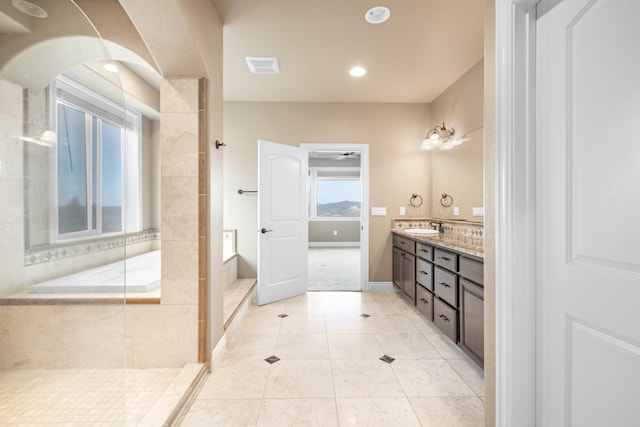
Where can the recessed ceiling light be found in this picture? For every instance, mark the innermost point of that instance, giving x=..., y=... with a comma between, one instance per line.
x=29, y=8
x=357, y=71
x=377, y=15
x=112, y=68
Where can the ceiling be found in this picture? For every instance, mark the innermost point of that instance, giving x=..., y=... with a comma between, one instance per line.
x=423, y=48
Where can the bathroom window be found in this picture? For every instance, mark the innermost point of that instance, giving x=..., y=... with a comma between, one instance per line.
x=334, y=193
x=97, y=164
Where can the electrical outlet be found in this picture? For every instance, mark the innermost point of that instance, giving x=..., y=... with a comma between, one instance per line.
x=335, y=232
x=456, y=211
x=478, y=211
x=403, y=211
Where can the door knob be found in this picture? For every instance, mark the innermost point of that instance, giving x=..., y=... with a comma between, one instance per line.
x=264, y=230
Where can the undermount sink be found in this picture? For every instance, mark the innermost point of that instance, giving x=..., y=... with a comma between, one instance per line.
x=421, y=231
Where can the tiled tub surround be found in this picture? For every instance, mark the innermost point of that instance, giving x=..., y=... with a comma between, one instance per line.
x=53, y=261
x=463, y=236
x=88, y=264
x=93, y=334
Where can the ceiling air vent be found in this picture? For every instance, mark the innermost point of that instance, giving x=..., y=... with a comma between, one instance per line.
x=263, y=65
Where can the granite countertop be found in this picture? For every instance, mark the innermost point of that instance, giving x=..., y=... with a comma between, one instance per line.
x=442, y=240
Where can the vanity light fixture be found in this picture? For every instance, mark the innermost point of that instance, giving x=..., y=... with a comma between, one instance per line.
x=441, y=138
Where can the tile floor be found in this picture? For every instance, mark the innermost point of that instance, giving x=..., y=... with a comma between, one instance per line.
x=329, y=371
x=80, y=397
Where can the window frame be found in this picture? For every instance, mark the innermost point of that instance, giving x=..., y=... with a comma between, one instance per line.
x=130, y=158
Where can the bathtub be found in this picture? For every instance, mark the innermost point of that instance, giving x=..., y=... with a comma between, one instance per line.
x=142, y=275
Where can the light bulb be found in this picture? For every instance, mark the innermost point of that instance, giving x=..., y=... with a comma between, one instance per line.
x=357, y=72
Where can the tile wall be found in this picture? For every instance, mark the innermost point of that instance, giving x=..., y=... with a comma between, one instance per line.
x=154, y=335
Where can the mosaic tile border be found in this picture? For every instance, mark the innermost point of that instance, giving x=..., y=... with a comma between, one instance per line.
x=67, y=250
x=469, y=234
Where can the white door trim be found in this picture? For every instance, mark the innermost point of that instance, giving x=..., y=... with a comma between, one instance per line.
x=515, y=214
x=364, y=204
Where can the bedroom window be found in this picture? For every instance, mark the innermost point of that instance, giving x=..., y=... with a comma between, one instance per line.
x=334, y=193
x=97, y=158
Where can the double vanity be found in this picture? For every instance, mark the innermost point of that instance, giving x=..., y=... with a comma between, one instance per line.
x=441, y=271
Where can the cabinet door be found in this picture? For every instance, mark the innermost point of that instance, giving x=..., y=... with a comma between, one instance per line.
x=472, y=320
x=397, y=268
x=409, y=276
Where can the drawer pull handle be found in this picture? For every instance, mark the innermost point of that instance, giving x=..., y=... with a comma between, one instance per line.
x=425, y=251
x=402, y=243
x=444, y=258
x=423, y=272
x=446, y=285
x=424, y=300
x=443, y=317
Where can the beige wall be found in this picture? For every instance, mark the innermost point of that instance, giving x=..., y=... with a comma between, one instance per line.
x=323, y=231
x=398, y=168
x=459, y=172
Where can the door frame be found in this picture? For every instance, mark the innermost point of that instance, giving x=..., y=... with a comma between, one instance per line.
x=364, y=204
x=515, y=214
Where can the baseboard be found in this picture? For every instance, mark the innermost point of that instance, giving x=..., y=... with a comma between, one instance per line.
x=380, y=287
x=334, y=244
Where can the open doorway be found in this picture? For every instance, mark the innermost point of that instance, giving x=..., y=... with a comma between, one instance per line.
x=338, y=203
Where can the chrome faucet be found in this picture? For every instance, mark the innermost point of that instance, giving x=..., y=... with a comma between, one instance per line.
x=437, y=225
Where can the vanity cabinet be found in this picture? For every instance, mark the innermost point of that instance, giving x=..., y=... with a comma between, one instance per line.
x=447, y=287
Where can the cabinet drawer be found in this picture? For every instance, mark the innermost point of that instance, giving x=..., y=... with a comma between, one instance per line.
x=445, y=285
x=446, y=259
x=424, y=302
x=405, y=244
x=424, y=251
x=424, y=273
x=446, y=319
x=472, y=269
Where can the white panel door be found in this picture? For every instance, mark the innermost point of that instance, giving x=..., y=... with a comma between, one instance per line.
x=588, y=142
x=283, y=232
